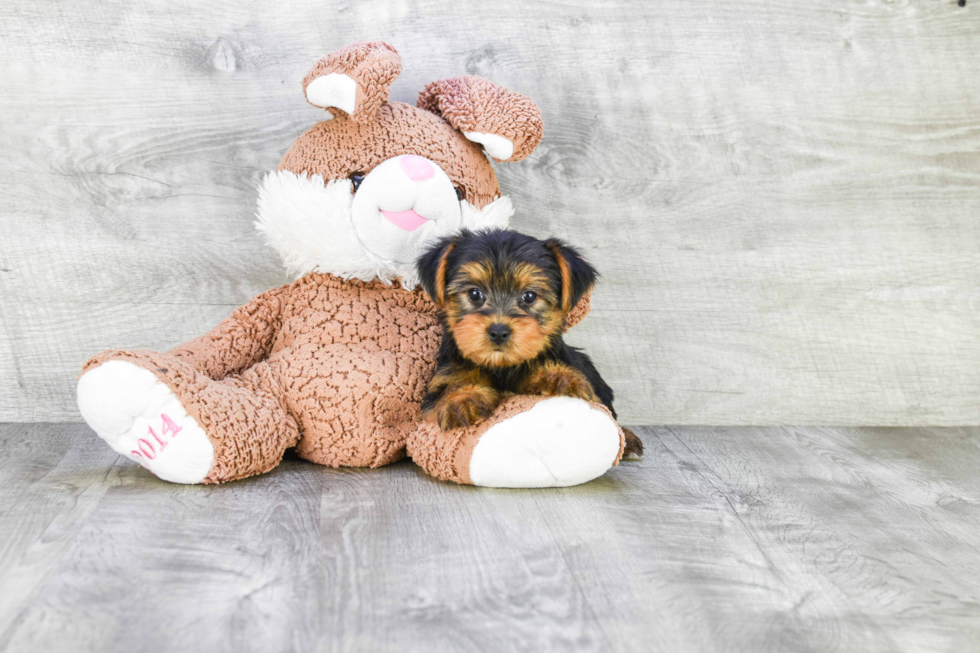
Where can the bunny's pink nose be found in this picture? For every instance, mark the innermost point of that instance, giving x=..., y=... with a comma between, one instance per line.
x=417, y=168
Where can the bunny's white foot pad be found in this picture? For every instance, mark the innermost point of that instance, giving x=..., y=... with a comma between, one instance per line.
x=142, y=419
x=559, y=442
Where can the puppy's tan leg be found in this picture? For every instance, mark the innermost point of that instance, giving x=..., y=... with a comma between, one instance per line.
x=457, y=399
x=465, y=406
x=557, y=379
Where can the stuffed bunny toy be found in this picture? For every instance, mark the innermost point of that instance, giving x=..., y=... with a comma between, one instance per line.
x=335, y=364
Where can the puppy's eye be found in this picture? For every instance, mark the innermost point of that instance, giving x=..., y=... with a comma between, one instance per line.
x=355, y=180
x=529, y=297
x=475, y=296
x=460, y=194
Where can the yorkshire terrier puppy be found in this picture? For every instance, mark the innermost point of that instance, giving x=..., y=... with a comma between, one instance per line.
x=503, y=298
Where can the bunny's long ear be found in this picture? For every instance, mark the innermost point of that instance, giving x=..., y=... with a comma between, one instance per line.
x=507, y=124
x=355, y=79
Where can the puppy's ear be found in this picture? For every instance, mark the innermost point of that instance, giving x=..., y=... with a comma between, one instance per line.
x=432, y=266
x=577, y=276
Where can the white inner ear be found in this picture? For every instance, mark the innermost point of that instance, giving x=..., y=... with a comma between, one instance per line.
x=496, y=146
x=333, y=90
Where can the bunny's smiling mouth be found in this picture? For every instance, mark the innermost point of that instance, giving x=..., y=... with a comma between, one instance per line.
x=408, y=220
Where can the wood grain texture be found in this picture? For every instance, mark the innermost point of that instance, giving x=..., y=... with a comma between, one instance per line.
x=721, y=539
x=782, y=197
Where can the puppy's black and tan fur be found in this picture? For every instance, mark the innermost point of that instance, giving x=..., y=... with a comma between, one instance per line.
x=503, y=298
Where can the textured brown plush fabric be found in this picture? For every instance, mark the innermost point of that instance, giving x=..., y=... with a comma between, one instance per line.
x=336, y=148
x=579, y=311
x=335, y=368
x=372, y=66
x=474, y=104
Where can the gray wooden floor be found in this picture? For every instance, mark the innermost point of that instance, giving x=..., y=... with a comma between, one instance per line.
x=720, y=539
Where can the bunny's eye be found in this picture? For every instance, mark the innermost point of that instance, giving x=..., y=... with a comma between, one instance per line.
x=355, y=179
x=460, y=194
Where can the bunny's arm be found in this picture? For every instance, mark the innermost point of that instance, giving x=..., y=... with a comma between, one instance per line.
x=240, y=341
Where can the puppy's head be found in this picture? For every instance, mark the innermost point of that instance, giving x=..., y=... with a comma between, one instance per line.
x=503, y=295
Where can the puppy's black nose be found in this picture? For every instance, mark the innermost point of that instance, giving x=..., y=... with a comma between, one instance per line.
x=498, y=333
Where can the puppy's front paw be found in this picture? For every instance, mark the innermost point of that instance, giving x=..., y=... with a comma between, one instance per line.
x=464, y=406
x=557, y=380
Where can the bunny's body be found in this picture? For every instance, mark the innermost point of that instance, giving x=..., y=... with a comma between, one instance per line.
x=336, y=363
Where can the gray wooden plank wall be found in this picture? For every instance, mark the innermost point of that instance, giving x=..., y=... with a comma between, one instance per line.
x=782, y=196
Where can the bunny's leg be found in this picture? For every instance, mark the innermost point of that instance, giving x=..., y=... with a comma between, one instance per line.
x=528, y=442
x=180, y=424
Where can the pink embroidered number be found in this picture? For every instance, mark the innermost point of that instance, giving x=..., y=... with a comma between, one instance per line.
x=146, y=448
